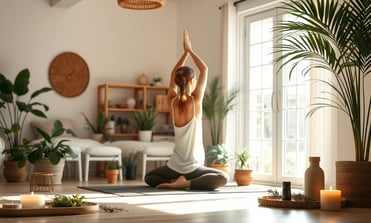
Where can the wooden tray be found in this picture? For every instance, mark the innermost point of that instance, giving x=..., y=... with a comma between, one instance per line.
x=276, y=201
x=88, y=208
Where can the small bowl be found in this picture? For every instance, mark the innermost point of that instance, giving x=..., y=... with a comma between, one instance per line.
x=121, y=105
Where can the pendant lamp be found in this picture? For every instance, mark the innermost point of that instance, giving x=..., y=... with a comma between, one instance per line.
x=141, y=4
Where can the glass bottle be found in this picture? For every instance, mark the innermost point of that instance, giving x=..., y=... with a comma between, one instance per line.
x=314, y=179
x=286, y=190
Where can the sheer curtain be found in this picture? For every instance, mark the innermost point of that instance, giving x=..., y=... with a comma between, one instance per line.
x=229, y=66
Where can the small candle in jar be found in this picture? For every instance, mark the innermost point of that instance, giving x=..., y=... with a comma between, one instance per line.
x=330, y=199
x=32, y=200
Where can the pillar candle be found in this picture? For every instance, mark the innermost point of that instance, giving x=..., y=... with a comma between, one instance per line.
x=330, y=199
x=32, y=200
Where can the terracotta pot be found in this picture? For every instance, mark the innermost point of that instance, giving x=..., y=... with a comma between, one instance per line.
x=44, y=165
x=112, y=176
x=243, y=177
x=354, y=180
x=222, y=167
x=13, y=174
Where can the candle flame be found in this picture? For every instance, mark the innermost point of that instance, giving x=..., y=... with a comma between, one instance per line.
x=31, y=193
x=330, y=188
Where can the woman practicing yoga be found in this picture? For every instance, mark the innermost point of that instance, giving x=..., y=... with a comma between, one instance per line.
x=185, y=169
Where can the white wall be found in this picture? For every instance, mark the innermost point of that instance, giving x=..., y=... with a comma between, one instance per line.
x=117, y=44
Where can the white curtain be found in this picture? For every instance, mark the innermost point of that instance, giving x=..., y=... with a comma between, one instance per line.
x=229, y=77
x=322, y=129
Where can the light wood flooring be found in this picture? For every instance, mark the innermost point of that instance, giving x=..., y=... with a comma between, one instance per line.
x=214, y=208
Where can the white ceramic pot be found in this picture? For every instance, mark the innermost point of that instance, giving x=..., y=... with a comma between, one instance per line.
x=145, y=136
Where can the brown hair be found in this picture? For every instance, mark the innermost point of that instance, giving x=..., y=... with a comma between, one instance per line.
x=182, y=77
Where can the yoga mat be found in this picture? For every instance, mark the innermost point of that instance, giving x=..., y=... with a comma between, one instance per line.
x=144, y=190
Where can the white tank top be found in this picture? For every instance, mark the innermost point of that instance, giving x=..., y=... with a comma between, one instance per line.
x=189, y=151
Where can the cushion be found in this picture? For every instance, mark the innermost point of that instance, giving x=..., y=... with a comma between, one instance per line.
x=47, y=126
x=103, y=151
x=159, y=149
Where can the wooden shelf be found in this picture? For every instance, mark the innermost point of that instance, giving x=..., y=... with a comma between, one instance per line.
x=144, y=95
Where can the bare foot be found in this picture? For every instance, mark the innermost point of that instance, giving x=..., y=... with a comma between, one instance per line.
x=180, y=183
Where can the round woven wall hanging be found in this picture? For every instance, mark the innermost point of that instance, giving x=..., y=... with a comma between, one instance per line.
x=69, y=74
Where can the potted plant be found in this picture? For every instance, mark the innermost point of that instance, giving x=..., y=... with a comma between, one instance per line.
x=123, y=124
x=13, y=113
x=336, y=36
x=112, y=172
x=99, y=126
x=219, y=157
x=48, y=154
x=243, y=168
x=215, y=108
x=110, y=126
x=145, y=120
x=130, y=163
x=157, y=81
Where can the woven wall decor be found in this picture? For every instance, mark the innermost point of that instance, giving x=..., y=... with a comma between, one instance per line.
x=69, y=74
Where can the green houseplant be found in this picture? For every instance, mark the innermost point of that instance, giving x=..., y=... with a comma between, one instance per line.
x=219, y=157
x=130, y=163
x=48, y=154
x=99, y=126
x=14, y=109
x=335, y=35
x=145, y=120
x=215, y=108
x=113, y=171
x=243, y=168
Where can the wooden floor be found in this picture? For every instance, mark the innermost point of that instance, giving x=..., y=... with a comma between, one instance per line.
x=214, y=208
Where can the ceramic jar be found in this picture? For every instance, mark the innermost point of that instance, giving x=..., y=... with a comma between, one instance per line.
x=314, y=179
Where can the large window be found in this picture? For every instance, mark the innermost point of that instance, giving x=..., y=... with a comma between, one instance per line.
x=274, y=105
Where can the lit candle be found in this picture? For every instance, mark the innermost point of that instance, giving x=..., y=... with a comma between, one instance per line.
x=330, y=199
x=32, y=200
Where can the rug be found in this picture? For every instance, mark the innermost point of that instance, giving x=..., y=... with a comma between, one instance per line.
x=144, y=190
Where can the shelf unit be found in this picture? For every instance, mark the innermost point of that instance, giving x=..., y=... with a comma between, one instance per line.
x=110, y=94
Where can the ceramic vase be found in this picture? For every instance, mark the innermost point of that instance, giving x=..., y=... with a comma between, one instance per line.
x=314, y=180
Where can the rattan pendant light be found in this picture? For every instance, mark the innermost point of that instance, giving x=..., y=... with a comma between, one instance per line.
x=141, y=4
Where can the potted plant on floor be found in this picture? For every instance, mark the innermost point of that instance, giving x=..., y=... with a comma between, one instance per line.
x=145, y=120
x=130, y=163
x=13, y=113
x=99, y=126
x=336, y=36
x=219, y=157
x=215, y=108
x=243, y=168
x=112, y=172
x=48, y=155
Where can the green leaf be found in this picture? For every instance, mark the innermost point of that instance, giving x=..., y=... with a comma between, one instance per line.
x=21, y=82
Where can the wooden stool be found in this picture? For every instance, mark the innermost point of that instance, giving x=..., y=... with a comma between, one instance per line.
x=41, y=182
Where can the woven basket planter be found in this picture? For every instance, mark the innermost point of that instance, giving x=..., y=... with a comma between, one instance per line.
x=354, y=180
x=44, y=165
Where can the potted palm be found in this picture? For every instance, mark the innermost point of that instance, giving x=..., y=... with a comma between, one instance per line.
x=99, y=126
x=48, y=155
x=215, y=108
x=336, y=36
x=13, y=113
x=243, y=168
x=145, y=120
x=219, y=157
